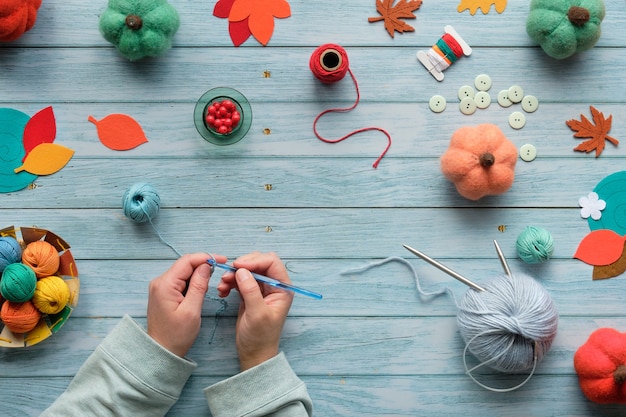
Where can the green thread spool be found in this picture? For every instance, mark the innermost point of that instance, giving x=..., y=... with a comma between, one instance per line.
x=534, y=245
x=18, y=283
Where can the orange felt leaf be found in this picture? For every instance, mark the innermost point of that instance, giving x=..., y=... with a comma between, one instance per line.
x=483, y=5
x=119, y=132
x=260, y=15
x=41, y=128
x=600, y=247
x=598, y=131
x=46, y=159
x=392, y=14
x=612, y=270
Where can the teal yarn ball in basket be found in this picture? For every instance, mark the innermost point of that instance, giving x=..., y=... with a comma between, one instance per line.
x=141, y=203
x=10, y=251
x=534, y=245
x=18, y=283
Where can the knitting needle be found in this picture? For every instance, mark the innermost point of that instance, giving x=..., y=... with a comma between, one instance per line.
x=267, y=280
x=505, y=265
x=445, y=269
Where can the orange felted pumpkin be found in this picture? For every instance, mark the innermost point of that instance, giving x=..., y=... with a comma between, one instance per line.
x=17, y=17
x=601, y=366
x=480, y=161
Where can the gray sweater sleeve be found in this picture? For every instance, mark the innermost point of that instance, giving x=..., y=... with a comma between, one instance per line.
x=128, y=374
x=268, y=389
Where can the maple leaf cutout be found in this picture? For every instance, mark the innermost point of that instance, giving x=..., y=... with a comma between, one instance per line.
x=392, y=14
x=597, y=131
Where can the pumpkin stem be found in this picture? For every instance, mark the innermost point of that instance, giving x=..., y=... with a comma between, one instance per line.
x=487, y=159
x=578, y=15
x=134, y=22
x=620, y=375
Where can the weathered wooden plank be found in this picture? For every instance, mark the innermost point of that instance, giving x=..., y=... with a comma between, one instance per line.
x=437, y=396
x=315, y=346
x=75, y=23
x=290, y=182
x=111, y=288
x=95, y=71
x=306, y=233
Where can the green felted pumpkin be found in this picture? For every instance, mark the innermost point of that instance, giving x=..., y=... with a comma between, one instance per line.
x=139, y=28
x=565, y=27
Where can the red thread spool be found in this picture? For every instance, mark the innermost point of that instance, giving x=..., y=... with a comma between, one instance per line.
x=329, y=63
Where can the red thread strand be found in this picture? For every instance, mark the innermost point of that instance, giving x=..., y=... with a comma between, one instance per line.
x=457, y=49
x=328, y=77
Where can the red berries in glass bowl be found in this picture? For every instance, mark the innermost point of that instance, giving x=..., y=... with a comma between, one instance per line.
x=222, y=116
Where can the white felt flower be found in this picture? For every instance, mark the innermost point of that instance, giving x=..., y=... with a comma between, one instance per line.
x=591, y=206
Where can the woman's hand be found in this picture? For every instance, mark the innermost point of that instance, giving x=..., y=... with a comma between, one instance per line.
x=175, y=302
x=263, y=309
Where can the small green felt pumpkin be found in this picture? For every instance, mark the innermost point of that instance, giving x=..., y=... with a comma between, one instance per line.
x=565, y=27
x=139, y=28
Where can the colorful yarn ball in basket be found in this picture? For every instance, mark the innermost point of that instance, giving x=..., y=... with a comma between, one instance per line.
x=10, y=251
x=18, y=283
x=19, y=317
x=37, y=307
x=51, y=295
x=42, y=257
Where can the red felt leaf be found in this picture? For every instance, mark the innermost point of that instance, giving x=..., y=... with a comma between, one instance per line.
x=239, y=32
x=222, y=8
x=600, y=247
x=41, y=128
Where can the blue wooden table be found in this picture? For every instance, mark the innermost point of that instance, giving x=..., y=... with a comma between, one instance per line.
x=372, y=346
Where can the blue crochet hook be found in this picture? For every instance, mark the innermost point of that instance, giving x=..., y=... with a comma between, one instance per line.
x=267, y=280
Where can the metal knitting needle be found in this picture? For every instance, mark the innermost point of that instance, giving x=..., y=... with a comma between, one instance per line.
x=445, y=269
x=505, y=265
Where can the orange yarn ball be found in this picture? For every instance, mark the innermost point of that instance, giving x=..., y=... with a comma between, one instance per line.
x=42, y=257
x=51, y=295
x=20, y=317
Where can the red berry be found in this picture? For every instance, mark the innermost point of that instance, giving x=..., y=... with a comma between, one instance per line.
x=235, y=117
x=222, y=111
x=217, y=123
x=222, y=130
x=210, y=120
x=227, y=122
x=212, y=109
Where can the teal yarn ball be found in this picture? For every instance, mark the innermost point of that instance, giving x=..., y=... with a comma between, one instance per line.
x=18, y=283
x=10, y=251
x=534, y=245
x=141, y=203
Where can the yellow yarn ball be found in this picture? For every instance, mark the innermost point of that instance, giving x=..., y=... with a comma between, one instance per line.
x=51, y=295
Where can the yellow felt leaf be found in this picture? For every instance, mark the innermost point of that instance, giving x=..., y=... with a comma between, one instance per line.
x=46, y=159
x=483, y=5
